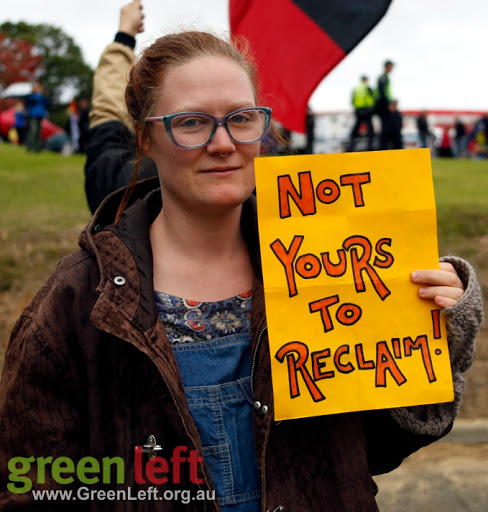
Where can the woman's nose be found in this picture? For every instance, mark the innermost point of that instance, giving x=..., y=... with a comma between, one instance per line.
x=221, y=141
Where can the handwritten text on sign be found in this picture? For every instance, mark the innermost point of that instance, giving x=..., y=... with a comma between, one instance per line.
x=340, y=235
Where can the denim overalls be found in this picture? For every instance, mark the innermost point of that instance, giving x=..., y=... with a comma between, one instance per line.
x=216, y=376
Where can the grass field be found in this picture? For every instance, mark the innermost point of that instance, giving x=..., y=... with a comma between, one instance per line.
x=44, y=209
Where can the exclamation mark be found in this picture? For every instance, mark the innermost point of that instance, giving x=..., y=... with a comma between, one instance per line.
x=436, y=322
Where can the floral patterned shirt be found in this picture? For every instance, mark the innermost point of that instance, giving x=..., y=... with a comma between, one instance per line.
x=188, y=321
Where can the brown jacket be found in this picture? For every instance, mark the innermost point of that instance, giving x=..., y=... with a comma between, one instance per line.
x=89, y=371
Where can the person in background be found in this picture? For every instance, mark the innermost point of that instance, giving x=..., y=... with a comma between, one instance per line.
x=383, y=97
x=110, y=151
x=36, y=108
x=20, y=121
x=72, y=126
x=158, y=325
x=310, y=131
x=423, y=129
x=83, y=123
x=479, y=136
x=459, y=138
x=444, y=149
x=363, y=103
x=392, y=127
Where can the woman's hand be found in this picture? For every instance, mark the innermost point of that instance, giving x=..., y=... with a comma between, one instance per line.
x=442, y=286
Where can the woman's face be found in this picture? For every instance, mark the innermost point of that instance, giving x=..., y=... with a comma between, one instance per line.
x=200, y=180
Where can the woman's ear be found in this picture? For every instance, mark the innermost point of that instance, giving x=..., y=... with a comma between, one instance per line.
x=144, y=142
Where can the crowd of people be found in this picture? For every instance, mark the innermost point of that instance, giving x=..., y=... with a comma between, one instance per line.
x=380, y=102
x=30, y=112
x=152, y=340
x=458, y=140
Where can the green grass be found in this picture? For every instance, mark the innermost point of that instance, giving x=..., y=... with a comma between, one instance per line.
x=43, y=209
x=43, y=190
x=461, y=190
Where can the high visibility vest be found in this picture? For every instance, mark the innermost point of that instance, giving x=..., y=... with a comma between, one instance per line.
x=387, y=89
x=362, y=96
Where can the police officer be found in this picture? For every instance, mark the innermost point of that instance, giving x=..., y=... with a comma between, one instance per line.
x=384, y=97
x=363, y=103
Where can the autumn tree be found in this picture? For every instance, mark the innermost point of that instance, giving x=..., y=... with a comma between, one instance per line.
x=18, y=61
x=61, y=62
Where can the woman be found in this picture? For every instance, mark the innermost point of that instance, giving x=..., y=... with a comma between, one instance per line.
x=146, y=337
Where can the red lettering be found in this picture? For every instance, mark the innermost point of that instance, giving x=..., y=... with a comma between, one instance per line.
x=287, y=258
x=388, y=257
x=138, y=465
x=348, y=314
x=384, y=363
x=308, y=266
x=304, y=200
x=362, y=364
x=436, y=322
x=317, y=365
x=335, y=269
x=343, y=368
x=356, y=181
x=298, y=365
x=361, y=264
x=322, y=305
x=194, y=460
x=176, y=460
x=157, y=465
x=396, y=348
x=421, y=343
x=328, y=191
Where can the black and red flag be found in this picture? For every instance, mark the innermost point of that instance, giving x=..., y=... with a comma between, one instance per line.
x=296, y=43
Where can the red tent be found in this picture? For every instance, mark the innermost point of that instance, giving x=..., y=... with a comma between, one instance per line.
x=7, y=121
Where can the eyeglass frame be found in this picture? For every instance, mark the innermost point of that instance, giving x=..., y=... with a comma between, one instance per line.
x=218, y=121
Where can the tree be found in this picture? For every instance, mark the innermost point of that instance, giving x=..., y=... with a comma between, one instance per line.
x=18, y=61
x=62, y=63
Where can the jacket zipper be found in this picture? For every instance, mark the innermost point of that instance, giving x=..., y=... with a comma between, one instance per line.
x=255, y=357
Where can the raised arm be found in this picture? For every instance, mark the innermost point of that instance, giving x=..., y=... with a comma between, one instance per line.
x=108, y=103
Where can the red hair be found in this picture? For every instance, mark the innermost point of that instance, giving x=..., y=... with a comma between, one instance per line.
x=149, y=73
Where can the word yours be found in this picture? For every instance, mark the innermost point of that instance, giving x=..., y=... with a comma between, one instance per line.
x=360, y=249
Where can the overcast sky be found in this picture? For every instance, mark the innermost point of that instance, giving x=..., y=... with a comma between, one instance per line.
x=439, y=46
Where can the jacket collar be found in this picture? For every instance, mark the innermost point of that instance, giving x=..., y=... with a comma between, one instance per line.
x=123, y=249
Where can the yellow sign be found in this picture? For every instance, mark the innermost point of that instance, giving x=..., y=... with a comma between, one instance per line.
x=340, y=235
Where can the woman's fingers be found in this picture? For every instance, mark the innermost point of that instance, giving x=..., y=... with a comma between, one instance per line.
x=446, y=276
x=443, y=285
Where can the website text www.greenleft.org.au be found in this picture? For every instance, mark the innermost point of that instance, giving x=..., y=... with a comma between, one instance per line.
x=156, y=470
x=184, y=496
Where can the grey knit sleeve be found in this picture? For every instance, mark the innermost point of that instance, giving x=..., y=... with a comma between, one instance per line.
x=463, y=321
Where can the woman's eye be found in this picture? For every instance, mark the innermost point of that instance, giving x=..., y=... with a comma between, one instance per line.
x=239, y=118
x=190, y=122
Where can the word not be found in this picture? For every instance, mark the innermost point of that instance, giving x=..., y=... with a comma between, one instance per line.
x=309, y=266
x=156, y=468
x=62, y=469
x=327, y=192
x=297, y=355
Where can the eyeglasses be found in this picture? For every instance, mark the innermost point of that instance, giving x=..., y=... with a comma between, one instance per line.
x=196, y=129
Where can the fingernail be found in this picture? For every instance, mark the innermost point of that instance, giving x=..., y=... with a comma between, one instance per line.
x=422, y=291
x=414, y=275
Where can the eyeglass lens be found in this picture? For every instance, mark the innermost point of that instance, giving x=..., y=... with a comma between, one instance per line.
x=196, y=129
